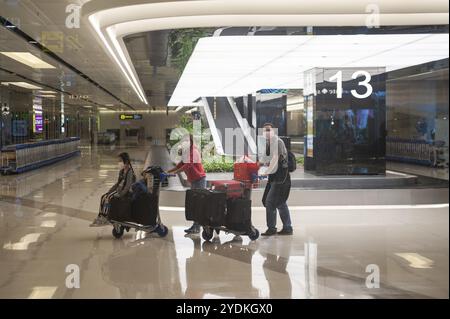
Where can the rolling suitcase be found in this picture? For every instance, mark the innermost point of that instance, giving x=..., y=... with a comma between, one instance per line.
x=239, y=214
x=120, y=209
x=144, y=209
x=212, y=208
x=192, y=202
x=206, y=207
x=233, y=189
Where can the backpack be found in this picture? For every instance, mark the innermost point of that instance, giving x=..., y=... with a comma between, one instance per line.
x=292, y=163
x=138, y=188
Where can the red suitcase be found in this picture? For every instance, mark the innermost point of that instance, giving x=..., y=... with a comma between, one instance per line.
x=245, y=171
x=234, y=189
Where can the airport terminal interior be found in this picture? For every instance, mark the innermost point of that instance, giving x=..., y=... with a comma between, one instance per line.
x=356, y=91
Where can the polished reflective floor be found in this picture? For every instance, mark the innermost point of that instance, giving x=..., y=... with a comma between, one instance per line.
x=334, y=253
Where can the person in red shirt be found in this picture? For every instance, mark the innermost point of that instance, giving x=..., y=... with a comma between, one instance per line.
x=191, y=165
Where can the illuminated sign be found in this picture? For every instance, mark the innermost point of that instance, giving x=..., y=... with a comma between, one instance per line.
x=124, y=117
x=38, y=122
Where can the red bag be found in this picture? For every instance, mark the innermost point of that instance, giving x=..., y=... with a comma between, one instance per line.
x=245, y=171
x=234, y=189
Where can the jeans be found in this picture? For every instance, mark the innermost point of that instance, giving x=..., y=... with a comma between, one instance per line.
x=198, y=184
x=271, y=211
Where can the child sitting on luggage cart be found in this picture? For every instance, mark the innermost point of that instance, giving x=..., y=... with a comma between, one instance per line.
x=120, y=189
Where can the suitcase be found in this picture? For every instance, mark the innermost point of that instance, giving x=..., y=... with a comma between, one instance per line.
x=245, y=171
x=206, y=207
x=239, y=214
x=192, y=202
x=120, y=209
x=233, y=189
x=144, y=209
x=212, y=208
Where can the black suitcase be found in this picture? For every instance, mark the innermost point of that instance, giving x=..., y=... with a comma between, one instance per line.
x=212, y=209
x=206, y=207
x=189, y=203
x=239, y=214
x=144, y=209
x=120, y=209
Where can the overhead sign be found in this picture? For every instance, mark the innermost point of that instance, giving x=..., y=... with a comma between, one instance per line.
x=124, y=117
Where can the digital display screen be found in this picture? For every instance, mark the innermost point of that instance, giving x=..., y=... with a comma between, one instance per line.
x=38, y=121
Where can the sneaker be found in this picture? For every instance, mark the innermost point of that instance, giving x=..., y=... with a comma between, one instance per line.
x=99, y=222
x=286, y=231
x=270, y=232
x=194, y=229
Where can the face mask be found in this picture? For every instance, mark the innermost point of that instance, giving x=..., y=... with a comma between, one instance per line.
x=120, y=165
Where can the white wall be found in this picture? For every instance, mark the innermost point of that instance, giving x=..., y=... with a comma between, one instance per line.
x=155, y=124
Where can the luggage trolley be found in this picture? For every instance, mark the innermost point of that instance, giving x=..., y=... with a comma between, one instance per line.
x=245, y=178
x=119, y=227
x=251, y=232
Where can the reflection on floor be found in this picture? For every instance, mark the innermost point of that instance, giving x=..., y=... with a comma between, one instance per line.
x=441, y=173
x=44, y=234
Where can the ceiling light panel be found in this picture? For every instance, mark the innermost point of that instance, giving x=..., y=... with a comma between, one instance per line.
x=24, y=85
x=28, y=59
x=238, y=65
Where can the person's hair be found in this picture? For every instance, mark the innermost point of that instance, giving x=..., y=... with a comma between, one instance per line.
x=268, y=124
x=125, y=158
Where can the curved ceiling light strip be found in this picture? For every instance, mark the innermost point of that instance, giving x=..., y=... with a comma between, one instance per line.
x=112, y=24
x=94, y=23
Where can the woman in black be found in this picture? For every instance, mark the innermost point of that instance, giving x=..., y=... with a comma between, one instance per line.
x=120, y=189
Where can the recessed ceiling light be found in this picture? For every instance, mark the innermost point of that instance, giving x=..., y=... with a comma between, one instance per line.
x=87, y=106
x=109, y=104
x=23, y=85
x=47, y=95
x=102, y=108
x=47, y=92
x=28, y=59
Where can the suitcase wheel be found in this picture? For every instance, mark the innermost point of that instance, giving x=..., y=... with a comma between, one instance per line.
x=254, y=235
x=118, y=231
x=207, y=234
x=162, y=230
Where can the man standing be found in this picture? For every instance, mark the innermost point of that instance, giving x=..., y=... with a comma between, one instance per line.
x=193, y=168
x=276, y=193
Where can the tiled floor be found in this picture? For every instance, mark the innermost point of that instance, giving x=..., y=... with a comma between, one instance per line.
x=44, y=235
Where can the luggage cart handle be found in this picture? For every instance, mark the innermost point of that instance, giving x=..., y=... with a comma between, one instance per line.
x=163, y=176
x=256, y=177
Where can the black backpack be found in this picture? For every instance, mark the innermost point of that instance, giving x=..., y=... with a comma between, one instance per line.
x=292, y=163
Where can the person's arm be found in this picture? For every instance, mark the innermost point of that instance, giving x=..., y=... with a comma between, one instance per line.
x=176, y=169
x=128, y=182
x=273, y=166
x=114, y=187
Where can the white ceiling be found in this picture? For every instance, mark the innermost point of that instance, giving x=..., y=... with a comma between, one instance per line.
x=85, y=50
x=239, y=65
x=113, y=20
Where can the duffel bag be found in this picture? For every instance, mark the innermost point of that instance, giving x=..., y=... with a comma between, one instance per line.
x=120, y=209
x=144, y=209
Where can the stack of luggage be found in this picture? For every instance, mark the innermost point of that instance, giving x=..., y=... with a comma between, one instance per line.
x=141, y=206
x=226, y=204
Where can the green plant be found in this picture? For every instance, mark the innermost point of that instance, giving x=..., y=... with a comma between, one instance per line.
x=300, y=160
x=182, y=43
x=218, y=164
